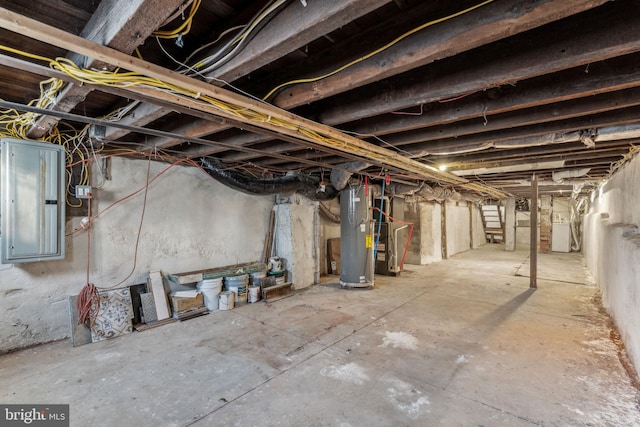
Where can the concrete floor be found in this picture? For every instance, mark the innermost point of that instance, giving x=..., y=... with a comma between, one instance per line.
x=458, y=343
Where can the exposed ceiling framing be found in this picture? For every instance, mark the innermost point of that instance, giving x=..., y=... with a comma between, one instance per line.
x=496, y=87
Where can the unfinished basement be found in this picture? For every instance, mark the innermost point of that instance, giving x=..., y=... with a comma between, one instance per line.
x=319, y=213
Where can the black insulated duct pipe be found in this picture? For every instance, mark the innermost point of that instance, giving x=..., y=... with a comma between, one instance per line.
x=307, y=185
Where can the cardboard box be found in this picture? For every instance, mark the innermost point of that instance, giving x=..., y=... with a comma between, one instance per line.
x=333, y=256
x=185, y=303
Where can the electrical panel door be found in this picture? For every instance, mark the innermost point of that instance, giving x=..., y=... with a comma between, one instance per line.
x=32, y=197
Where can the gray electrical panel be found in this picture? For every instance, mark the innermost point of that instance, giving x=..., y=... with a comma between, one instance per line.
x=32, y=201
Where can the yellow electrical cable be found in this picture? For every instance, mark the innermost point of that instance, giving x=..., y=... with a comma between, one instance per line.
x=184, y=28
x=241, y=36
x=125, y=79
x=375, y=52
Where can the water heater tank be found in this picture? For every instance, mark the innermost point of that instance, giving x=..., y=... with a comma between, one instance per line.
x=356, y=239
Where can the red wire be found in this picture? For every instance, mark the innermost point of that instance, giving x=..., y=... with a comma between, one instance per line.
x=144, y=208
x=88, y=304
x=88, y=237
x=91, y=219
x=406, y=247
x=442, y=101
x=88, y=301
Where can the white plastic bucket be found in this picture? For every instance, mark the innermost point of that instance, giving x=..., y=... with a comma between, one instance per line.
x=253, y=294
x=257, y=278
x=210, y=289
x=238, y=285
x=227, y=300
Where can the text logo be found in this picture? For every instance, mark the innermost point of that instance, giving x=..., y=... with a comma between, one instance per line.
x=34, y=415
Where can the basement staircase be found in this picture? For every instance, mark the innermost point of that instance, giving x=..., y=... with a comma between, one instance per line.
x=493, y=221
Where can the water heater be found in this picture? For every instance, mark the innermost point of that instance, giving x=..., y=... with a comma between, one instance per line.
x=356, y=239
x=32, y=201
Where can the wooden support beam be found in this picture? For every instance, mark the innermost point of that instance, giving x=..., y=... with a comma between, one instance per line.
x=489, y=158
x=603, y=77
x=433, y=141
x=538, y=134
x=22, y=65
x=120, y=25
x=290, y=29
x=595, y=104
x=533, y=246
x=484, y=25
x=277, y=120
x=142, y=115
x=293, y=28
x=494, y=158
x=607, y=76
x=479, y=26
x=558, y=47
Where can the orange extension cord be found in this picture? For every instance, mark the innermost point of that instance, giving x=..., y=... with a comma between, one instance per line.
x=88, y=298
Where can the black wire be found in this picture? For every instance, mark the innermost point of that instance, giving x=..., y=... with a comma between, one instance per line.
x=227, y=48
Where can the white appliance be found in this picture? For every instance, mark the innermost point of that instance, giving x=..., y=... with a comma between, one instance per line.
x=561, y=237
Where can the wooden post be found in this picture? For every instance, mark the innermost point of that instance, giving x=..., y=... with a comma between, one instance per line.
x=533, y=258
x=443, y=229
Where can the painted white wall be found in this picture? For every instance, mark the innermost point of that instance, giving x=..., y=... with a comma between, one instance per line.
x=510, y=224
x=191, y=222
x=612, y=251
x=296, y=240
x=457, y=227
x=523, y=230
x=425, y=246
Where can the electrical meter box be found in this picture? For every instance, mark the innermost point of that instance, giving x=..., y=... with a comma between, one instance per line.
x=32, y=201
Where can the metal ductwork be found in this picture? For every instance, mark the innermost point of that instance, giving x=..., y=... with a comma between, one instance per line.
x=340, y=177
x=559, y=176
x=326, y=213
x=294, y=183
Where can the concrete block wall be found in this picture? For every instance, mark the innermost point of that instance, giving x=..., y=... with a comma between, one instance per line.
x=191, y=222
x=611, y=248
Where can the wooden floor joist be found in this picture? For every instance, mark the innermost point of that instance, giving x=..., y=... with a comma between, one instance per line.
x=330, y=136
